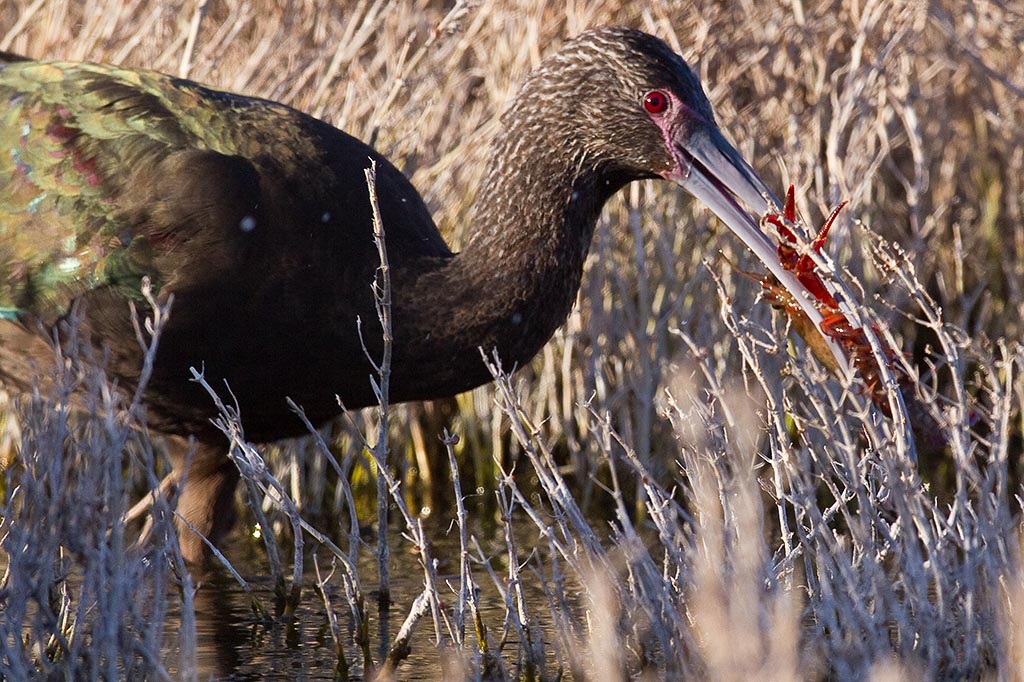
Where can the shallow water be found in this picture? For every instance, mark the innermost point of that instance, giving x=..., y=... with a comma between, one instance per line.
x=235, y=643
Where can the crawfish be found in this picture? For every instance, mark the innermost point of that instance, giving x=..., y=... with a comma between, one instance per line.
x=835, y=324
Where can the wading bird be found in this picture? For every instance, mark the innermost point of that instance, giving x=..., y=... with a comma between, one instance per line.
x=256, y=218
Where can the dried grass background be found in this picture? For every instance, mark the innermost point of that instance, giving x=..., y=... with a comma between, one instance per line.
x=669, y=373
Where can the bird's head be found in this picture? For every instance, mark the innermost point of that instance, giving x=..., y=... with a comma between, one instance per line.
x=623, y=103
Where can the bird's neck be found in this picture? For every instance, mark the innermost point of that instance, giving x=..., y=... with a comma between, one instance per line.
x=516, y=280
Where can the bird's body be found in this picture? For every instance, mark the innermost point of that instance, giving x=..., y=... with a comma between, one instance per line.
x=256, y=218
x=253, y=215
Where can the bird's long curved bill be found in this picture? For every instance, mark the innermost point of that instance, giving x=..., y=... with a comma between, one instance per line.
x=714, y=172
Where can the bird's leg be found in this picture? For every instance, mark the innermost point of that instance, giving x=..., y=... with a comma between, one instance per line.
x=204, y=480
x=206, y=499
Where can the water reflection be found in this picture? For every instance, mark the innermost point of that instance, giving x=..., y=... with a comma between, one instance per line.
x=236, y=643
x=239, y=638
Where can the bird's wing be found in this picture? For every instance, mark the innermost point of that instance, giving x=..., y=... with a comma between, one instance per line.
x=104, y=177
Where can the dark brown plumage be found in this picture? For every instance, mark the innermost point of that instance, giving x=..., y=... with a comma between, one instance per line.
x=256, y=218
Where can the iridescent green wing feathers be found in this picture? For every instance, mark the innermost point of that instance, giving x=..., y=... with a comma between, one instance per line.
x=104, y=172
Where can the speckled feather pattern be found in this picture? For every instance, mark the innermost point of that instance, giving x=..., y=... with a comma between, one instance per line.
x=574, y=135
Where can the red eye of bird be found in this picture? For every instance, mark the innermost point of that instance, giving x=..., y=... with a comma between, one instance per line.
x=655, y=102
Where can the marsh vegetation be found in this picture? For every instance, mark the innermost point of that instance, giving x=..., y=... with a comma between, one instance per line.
x=674, y=488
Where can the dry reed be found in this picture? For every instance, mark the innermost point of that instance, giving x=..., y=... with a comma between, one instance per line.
x=767, y=522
